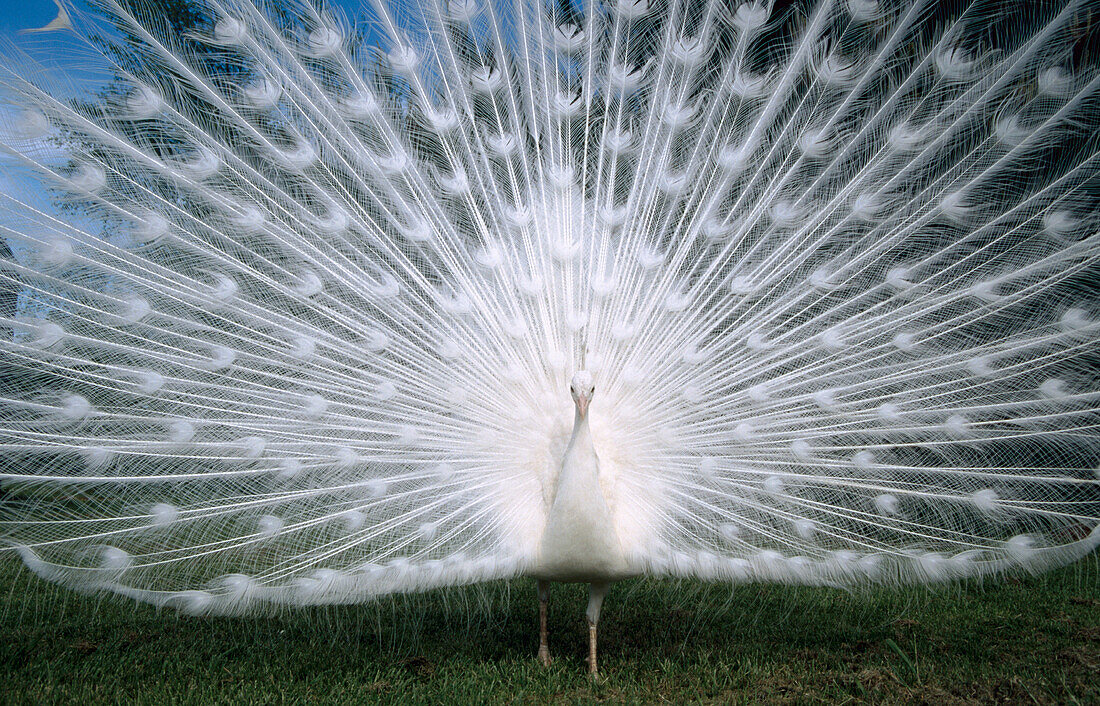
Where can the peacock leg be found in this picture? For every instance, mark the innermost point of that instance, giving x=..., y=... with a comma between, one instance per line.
x=544, y=601
x=596, y=593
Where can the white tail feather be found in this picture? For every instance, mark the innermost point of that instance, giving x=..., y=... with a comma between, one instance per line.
x=304, y=329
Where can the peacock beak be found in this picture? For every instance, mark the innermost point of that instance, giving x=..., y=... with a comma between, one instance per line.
x=582, y=406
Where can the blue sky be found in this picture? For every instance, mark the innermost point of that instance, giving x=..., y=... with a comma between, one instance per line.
x=21, y=14
x=24, y=14
x=62, y=50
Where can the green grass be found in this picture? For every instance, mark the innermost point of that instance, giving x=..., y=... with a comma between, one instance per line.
x=1032, y=640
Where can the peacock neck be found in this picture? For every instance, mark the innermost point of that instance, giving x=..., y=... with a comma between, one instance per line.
x=581, y=432
x=579, y=448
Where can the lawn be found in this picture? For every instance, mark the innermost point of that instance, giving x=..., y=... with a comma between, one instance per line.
x=1027, y=640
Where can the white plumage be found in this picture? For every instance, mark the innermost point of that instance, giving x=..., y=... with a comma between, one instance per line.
x=304, y=329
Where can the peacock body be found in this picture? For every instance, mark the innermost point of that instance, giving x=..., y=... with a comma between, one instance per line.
x=301, y=325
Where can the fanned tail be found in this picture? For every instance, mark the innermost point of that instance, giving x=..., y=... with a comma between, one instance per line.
x=302, y=326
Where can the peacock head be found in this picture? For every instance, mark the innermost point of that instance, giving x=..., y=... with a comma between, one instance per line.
x=582, y=388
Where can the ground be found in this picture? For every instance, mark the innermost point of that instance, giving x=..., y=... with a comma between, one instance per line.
x=1025, y=640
